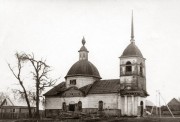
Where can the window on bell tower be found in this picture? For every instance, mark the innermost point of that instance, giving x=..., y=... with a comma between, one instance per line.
x=141, y=70
x=128, y=67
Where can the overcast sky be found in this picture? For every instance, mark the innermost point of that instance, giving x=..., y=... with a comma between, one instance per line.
x=53, y=30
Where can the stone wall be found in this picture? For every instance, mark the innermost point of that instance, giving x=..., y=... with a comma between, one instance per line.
x=90, y=104
x=110, y=101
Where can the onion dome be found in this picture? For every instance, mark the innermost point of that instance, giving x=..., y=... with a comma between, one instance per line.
x=132, y=49
x=83, y=67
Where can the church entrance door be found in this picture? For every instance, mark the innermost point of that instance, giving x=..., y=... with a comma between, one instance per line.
x=71, y=107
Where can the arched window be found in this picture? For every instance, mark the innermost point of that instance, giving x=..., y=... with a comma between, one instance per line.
x=128, y=67
x=64, y=106
x=80, y=106
x=100, y=105
x=141, y=69
x=141, y=103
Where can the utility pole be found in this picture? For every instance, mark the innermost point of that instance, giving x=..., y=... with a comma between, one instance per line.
x=156, y=104
x=167, y=106
x=159, y=105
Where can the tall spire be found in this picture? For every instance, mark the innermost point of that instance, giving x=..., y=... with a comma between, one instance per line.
x=132, y=29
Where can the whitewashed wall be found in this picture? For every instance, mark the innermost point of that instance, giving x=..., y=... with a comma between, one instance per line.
x=136, y=104
x=80, y=81
x=110, y=101
x=56, y=102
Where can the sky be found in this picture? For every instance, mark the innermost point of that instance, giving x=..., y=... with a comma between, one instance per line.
x=53, y=30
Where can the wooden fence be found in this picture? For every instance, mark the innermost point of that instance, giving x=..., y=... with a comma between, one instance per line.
x=18, y=115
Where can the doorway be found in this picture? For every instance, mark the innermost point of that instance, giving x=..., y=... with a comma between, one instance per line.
x=141, y=104
x=71, y=107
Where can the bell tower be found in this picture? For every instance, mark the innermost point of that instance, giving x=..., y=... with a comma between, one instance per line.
x=132, y=78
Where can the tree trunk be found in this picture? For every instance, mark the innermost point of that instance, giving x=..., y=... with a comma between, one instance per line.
x=27, y=100
x=37, y=99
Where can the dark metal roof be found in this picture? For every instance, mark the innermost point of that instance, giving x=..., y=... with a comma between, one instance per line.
x=57, y=89
x=83, y=68
x=85, y=89
x=99, y=87
x=105, y=86
x=132, y=50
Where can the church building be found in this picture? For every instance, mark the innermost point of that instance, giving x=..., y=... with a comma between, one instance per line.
x=84, y=90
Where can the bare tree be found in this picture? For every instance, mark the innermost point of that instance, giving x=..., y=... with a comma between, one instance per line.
x=40, y=75
x=17, y=75
x=18, y=95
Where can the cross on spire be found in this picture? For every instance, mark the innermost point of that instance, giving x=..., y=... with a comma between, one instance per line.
x=83, y=41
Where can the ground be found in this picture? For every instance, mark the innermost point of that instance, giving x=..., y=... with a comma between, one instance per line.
x=125, y=119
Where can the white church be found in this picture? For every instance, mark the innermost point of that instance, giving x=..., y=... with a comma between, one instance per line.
x=84, y=91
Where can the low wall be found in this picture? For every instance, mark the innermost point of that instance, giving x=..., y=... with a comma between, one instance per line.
x=52, y=112
x=12, y=115
x=113, y=112
x=107, y=112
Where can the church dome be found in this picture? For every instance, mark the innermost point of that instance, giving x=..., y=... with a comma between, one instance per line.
x=132, y=50
x=83, y=68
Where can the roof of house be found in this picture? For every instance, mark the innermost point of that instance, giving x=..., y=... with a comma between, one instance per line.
x=174, y=101
x=6, y=102
x=98, y=87
x=149, y=103
x=19, y=103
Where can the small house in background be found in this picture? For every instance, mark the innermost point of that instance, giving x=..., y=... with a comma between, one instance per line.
x=7, y=106
x=174, y=106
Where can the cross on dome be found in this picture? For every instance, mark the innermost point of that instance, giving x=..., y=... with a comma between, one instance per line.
x=83, y=41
